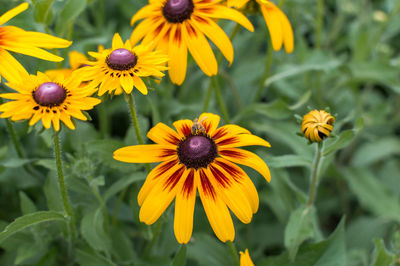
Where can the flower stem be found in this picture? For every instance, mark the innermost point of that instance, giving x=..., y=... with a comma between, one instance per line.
x=63, y=188
x=103, y=119
x=233, y=251
x=220, y=100
x=320, y=23
x=219, y=59
x=267, y=71
x=132, y=109
x=314, y=174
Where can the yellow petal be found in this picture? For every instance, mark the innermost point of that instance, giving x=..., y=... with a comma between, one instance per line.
x=184, y=208
x=144, y=153
x=233, y=141
x=13, y=12
x=272, y=19
x=246, y=158
x=139, y=84
x=163, y=134
x=117, y=42
x=11, y=69
x=245, y=259
x=126, y=82
x=184, y=127
x=222, y=12
x=210, y=122
x=178, y=55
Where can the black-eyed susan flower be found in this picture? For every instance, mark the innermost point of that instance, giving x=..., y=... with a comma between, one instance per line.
x=174, y=26
x=245, y=259
x=201, y=157
x=280, y=30
x=122, y=68
x=317, y=125
x=18, y=40
x=50, y=100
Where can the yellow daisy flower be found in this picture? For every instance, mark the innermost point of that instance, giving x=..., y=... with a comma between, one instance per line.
x=245, y=259
x=198, y=156
x=317, y=125
x=18, y=40
x=174, y=26
x=280, y=30
x=50, y=100
x=120, y=69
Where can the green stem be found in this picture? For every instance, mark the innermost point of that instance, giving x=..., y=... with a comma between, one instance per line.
x=320, y=23
x=103, y=119
x=157, y=232
x=63, y=188
x=97, y=194
x=234, y=252
x=209, y=88
x=220, y=100
x=28, y=168
x=268, y=64
x=314, y=179
x=118, y=206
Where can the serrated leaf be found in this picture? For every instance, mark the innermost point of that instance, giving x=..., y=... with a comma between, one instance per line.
x=344, y=139
x=299, y=228
x=27, y=205
x=29, y=220
x=381, y=255
x=92, y=229
x=180, y=257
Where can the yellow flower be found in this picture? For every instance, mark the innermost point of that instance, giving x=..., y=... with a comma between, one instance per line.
x=198, y=156
x=18, y=40
x=280, y=30
x=174, y=26
x=245, y=259
x=120, y=69
x=317, y=125
x=76, y=60
x=50, y=100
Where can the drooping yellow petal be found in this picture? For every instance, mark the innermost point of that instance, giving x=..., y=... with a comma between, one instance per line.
x=245, y=259
x=10, y=68
x=139, y=84
x=184, y=208
x=178, y=55
x=246, y=158
x=223, y=12
x=272, y=19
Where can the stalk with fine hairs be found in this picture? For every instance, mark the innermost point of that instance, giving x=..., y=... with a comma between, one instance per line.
x=314, y=179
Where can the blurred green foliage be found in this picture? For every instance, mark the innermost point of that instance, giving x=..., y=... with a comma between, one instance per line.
x=355, y=73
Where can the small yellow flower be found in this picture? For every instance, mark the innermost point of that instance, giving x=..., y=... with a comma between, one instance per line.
x=245, y=259
x=121, y=68
x=176, y=26
x=198, y=156
x=317, y=125
x=50, y=100
x=280, y=30
x=20, y=41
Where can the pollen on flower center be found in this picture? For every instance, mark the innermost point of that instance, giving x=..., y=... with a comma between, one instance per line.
x=121, y=59
x=177, y=11
x=197, y=151
x=49, y=94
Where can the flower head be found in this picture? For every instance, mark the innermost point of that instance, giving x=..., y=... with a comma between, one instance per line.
x=121, y=68
x=280, y=30
x=50, y=100
x=175, y=26
x=201, y=157
x=317, y=125
x=18, y=40
x=245, y=259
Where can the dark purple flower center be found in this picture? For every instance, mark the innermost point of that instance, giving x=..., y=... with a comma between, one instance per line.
x=197, y=151
x=49, y=94
x=177, y=11
x=121, y=59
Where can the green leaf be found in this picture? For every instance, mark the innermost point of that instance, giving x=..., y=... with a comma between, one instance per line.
x=93, y=232
x=290, y=160
x=87, y=259
x=47, y=163
x=71, y=10
x=180, y=257
x=16, y=162
x=123, y=183
x=29, y=220
x=375, y=151
x=43, y=12
x=330, y=252
x=373, y=194
x=303, y=100
x=381, y=255
x=52, y=193
x=276, y=110
x=207, y=251
x=27, y=205
x=344, y=139
x=299, y=228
